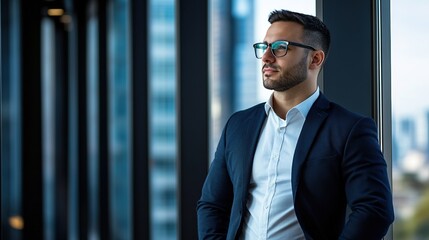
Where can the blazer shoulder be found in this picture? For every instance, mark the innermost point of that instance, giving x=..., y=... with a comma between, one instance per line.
x=251, y=112
x=252, y=117
x=337, y=110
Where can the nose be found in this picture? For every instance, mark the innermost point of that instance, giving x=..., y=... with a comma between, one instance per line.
x=268, y=56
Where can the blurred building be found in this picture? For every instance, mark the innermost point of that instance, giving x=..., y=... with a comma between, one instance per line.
x=246, y=80
x=406, y=133
x=427, y=135
x=162, y=100
x=234, y=80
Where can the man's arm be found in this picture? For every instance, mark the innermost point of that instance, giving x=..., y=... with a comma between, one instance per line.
x=366, y=184
x=214, y=206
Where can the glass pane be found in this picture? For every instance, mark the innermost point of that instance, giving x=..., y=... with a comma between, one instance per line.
x=92, y=126
x=48, y=121
x=119, y=120
x=235, y=76
x=10, y=175
x=162, y=120
x=73, y=146
x=410, y=118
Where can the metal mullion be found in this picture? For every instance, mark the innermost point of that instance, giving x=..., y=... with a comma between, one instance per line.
x=140, y=134
x=193, y=110
x=104, y=201
x=32, y=188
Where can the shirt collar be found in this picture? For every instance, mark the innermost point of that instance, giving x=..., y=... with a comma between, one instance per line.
x=303, y=107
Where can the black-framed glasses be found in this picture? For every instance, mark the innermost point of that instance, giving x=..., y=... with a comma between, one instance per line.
x=278, y=48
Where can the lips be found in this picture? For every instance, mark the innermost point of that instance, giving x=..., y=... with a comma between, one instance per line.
x=269, y=70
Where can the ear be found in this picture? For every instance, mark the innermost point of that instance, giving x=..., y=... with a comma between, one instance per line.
x=317, y=59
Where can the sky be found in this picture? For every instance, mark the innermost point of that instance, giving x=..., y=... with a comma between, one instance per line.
x=410, y=57
x=264, y=7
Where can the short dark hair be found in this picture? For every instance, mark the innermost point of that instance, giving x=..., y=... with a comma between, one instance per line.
x=316, y=33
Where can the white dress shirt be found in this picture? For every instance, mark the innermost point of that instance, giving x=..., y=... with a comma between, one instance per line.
x=270, y=210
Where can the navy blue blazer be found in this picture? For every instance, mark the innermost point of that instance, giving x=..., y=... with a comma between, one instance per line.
x=337, y=163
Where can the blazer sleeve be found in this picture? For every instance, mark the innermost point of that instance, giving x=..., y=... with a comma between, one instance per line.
x=366, y=184
x=214, y=206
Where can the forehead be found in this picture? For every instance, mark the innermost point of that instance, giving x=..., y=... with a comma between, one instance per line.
x=283, y=30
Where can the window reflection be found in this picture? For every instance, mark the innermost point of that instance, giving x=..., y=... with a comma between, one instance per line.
x=93, y=127
x=410, y=143
x=48, y=116
x=119, y=120
x=162, y=122
x=11, y=118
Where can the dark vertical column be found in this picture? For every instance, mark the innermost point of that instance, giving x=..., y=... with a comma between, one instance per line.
x=77, y=113
x=193, y=109
x=32, y=198
x=104, y=214
x=2, y=27
x=5, y=30
x=139, y=81
x=61, y=123
x=348, y=73
x=80, y=7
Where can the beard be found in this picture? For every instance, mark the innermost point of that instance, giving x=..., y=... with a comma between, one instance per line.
x=287, y=78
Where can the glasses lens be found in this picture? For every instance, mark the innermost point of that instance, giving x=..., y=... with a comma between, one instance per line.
x=279, y=48
x=260, y=49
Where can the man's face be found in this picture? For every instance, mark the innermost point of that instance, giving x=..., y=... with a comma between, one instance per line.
x=283, y=73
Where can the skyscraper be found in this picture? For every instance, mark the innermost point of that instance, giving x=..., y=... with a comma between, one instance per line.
x=163, y=147
x=233, y=87
x=245, y=79
x=233, y=82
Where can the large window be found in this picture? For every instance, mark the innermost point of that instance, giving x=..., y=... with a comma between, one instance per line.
x=410, y=118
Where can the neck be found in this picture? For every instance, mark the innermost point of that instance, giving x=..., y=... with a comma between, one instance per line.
x=286, y=100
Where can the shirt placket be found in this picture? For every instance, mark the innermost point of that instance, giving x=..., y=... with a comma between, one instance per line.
x=272, y=176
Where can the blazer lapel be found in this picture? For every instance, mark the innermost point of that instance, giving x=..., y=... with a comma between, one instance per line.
x=314, y=120
x=254, y=127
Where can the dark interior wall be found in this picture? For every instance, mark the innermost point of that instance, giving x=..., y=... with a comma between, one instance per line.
x=348, y=73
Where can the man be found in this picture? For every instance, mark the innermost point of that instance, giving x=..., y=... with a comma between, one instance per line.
x=289, y=168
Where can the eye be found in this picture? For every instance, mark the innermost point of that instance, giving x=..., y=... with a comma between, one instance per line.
x=261, y=46
x=279, y=45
